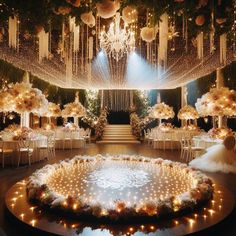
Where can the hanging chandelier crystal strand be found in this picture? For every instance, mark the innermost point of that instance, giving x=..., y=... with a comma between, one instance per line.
x=117, y=41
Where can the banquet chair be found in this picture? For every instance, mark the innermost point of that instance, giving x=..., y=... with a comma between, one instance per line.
x=87, y=135
x=188, y=150
x=5, y=152
x=67, y=138
x=24, y=149
x=50, y=146
x=151, y=137
x=79, y=136
x=167, y=138
x=157, y=140
x=146, y=135
x=184, y=142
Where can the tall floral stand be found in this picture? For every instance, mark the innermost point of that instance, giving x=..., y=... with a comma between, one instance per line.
x=25, y=119
x=220, y=121
x=76, y=120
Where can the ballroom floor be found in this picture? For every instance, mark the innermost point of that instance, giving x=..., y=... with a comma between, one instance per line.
x=9, y=176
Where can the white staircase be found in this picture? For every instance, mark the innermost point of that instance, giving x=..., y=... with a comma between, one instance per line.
x=118, y=134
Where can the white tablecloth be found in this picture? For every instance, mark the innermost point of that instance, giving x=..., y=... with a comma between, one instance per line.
x=64, y=139
x=35, y=144
x=170, y=139
x=205, y=141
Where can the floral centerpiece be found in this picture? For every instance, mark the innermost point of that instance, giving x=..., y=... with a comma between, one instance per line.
x=219, y=133
x=217, y=102
x=21, y=97
x=70, y=127
x=161, y=111
x=27, y=99
x=188, y=113
x=17, y=132
x=191, y=127
x=73, y=109
x=48, y=127
x=53, y=110
x=165, y=127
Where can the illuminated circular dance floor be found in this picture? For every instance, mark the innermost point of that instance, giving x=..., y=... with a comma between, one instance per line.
x=117, y=188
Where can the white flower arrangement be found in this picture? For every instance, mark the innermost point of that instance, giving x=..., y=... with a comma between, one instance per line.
x=21, y=97
x=191, y=127
x=165, y=127
x=188, y=113
x=53, y=110
x=201, y=191
x=219, y=133
x=16, y=132
x=107, y=8
x=6, y=101
x=70, y=127
x=73, y=109
x=217, y=102
x=161, y=111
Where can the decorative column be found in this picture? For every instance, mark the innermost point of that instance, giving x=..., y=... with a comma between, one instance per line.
x=131, y=98
x=25, y=116
x=102, y=99
x=159, y=101
x=184, y=101
x=76, y=119
x=25, y=119
x=158, y=97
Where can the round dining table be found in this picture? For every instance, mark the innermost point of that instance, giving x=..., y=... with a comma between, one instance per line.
x=38, y=144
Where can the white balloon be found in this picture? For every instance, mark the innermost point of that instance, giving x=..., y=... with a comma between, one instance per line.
x=148, y=34
x=88, y=19
x=129, y=14
x=107, y=8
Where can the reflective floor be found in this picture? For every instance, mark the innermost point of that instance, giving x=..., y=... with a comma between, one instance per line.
x=10, y=176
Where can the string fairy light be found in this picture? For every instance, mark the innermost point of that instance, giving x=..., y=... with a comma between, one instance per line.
x=136, y=183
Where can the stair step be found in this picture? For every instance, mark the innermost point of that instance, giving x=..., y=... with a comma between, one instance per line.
x=118, y=141
x=118, y=128
x=118, y=134
x=117, y=138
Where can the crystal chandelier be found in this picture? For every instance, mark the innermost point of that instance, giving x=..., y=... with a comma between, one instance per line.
x=117, y=41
